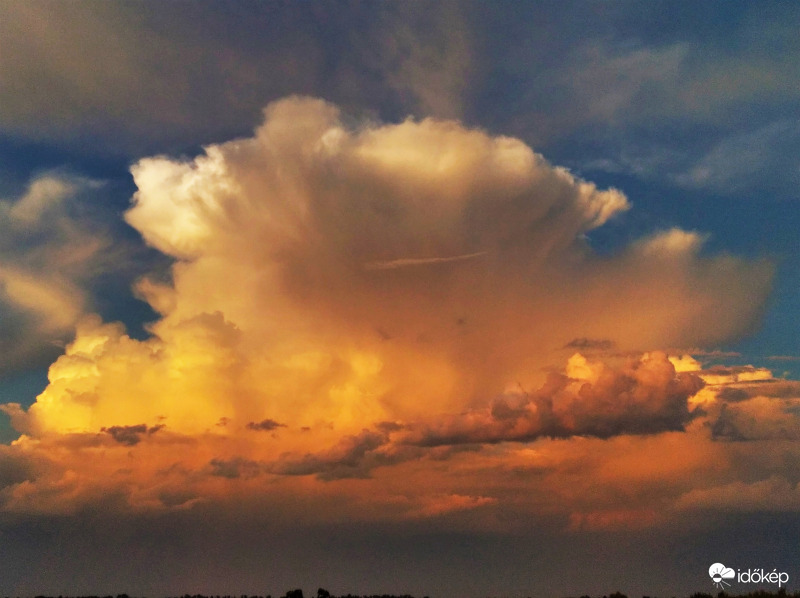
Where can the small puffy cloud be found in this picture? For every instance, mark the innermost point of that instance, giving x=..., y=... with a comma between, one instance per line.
x=265, y=425
x=671, y=244
x=130, y=435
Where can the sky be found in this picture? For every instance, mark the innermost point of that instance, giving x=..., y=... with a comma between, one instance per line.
x=448, y=299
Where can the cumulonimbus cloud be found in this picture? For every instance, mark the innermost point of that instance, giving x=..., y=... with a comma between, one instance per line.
x=373, y=297
x=297, y=218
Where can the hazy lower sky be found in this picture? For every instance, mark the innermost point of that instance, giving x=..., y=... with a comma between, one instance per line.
x=450, y=299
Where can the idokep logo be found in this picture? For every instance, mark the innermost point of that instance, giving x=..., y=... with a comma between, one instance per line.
x=719, y=573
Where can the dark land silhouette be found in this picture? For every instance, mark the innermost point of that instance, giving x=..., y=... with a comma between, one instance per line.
x=322, y=593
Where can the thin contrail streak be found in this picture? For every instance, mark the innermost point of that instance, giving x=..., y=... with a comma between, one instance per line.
x=419, y=261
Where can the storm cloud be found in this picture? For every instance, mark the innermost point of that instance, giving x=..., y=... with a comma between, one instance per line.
x=391, y=323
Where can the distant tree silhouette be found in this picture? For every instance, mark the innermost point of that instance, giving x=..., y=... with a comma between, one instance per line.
x=322, y=593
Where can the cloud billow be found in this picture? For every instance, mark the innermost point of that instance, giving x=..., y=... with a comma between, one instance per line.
x=642, y=397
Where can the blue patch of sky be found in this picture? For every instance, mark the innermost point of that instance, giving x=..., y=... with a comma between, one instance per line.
x=22, y=388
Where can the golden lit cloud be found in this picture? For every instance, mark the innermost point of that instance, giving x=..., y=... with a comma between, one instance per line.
x=396, y=322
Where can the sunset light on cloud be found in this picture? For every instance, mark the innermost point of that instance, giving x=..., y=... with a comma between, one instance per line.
x=391, y=333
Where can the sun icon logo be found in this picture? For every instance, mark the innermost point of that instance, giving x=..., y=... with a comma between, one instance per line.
x=719, y=573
